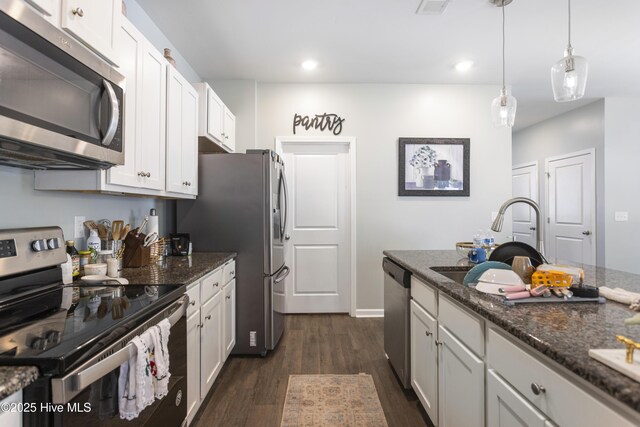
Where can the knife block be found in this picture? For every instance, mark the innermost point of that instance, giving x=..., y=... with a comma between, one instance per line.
x=135, y=253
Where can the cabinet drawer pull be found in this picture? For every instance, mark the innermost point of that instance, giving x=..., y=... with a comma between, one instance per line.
x=148, y=174
x=78, y=11
x=207, y=317
x=233, y=273
x=228, y=296
x=142, y=174
x=427, y=333
x=438, y=342
x=192, y=302
x=215, y=285
x=537, y=389
x=199, y=325
x=226, y=137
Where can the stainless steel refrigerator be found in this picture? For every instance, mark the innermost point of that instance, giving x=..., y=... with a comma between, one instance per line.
x=242, y=207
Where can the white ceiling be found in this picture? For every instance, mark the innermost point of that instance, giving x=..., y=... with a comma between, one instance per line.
x=384, y=41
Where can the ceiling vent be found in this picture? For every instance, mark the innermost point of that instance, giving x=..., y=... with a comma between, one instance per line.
x=432, y=7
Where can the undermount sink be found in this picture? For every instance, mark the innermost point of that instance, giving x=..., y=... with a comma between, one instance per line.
x=454, y=273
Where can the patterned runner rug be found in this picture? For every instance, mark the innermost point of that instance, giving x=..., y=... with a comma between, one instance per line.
x=332, y=400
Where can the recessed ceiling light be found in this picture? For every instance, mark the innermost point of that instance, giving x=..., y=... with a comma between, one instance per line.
x=463, y=66
x=310, y=64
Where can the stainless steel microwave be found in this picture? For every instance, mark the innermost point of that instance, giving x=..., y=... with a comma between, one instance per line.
x=61, y=106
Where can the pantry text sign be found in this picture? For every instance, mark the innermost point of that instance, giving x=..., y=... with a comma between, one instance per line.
x=325, y=121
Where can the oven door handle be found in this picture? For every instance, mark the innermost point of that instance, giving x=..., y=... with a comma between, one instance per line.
x=64, y=389
x=114, y=114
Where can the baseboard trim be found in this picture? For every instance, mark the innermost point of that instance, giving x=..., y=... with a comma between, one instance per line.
x=362, y=312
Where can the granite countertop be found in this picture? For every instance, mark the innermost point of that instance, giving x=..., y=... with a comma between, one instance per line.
x=563, y=332
x=15, y=378
x=177, y=270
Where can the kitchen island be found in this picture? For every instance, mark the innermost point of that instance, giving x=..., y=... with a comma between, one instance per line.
x=562, y=332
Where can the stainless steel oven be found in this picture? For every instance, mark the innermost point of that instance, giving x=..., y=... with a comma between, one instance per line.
x=61, y=106
x=89, y=393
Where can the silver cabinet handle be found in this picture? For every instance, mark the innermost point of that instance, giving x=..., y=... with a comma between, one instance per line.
x=199, y=325
x=233, y=273
x=428, y=333
x=532, y=228
x=215, y=285
x=222, y=133
x=586, y=233
x=537, y=389
x=228, y=297
x=185, y=183
x=226, y=137
x=192, y=303
x=438, y=342
x=78, y=11
x=142, y=174
x=148, y=174
x=207, y=317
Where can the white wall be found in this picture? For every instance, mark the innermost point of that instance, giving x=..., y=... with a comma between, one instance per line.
x=25, y=207
x=576, y=130
x=240, y=96
x=622, y=158
x=377, y=115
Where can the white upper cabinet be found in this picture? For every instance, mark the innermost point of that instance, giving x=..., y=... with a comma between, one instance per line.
x=50, y=9
x=145, y=117
x=217, y=127
x=229, y=133
x=182, y=135
x=95, y=23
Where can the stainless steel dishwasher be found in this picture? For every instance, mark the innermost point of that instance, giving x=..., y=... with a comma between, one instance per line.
x=397, y=297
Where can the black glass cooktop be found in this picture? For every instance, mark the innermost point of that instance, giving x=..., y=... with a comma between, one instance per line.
x=62, y=338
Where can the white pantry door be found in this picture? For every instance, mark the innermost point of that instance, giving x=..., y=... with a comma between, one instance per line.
x=524, y=179
x=572, y=208
x=319, y=173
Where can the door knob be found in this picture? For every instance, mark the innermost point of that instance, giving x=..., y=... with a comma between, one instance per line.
x=586, y=233
x=287, y=237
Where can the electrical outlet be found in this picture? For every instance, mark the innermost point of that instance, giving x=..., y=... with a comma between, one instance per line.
x=78, y=226
x=621, y=216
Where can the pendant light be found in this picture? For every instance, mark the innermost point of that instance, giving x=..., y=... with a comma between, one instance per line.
x=569, y=75
x=503, y=108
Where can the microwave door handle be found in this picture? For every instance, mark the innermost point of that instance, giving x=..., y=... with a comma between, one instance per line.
x=114, y=114
x=93, y=373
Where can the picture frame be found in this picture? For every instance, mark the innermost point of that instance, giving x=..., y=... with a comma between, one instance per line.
x=434, y=167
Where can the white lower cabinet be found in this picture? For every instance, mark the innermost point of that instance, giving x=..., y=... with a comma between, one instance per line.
x=11, y=418
x=460, y=383
x=211, y=351
x=508, y=408
x=424, y=359
x=211, y=333
x=229, y=292
x=193, y=364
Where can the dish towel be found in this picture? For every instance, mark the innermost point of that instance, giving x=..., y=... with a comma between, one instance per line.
x=135, y=384
x=622, y=296
x=160, y=362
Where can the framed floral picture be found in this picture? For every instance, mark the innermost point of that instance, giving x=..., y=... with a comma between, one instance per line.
x=433, y=167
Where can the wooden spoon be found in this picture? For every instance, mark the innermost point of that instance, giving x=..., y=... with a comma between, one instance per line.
x=117, y=227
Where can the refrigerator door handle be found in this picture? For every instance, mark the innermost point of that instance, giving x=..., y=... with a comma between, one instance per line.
x=281, y=275
x=283, y=218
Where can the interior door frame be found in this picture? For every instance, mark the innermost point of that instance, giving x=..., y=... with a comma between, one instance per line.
x=349, y=141
x=594, y=202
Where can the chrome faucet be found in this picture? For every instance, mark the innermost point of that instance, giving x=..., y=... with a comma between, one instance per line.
x=497, y=223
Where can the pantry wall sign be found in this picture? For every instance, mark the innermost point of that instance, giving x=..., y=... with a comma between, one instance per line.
x=325, y=121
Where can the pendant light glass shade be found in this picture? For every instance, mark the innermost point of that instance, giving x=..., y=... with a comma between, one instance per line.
x=569, y=77
x=503, y=109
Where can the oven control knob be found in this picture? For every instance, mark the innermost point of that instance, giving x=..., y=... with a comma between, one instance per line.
x=53, y=243
x=39, y=245
x=53, y=336
x=39, y=344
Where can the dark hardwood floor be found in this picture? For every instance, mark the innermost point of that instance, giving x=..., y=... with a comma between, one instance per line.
x=250, y=391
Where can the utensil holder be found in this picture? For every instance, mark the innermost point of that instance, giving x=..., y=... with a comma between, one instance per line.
x=135, y=253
